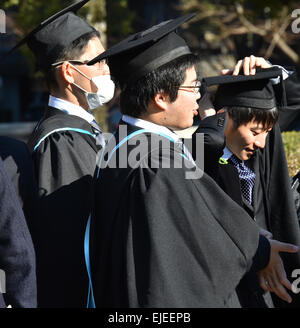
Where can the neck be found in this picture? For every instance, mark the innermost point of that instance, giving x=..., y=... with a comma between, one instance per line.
x=155, y=115
x=153, y=118
x=68, y=95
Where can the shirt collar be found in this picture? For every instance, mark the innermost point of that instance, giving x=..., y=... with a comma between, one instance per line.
x=70, y=108
x=152, y=127
x=226, y=153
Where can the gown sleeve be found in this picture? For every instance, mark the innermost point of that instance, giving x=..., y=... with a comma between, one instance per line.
x=189, y=243
x=291, y=111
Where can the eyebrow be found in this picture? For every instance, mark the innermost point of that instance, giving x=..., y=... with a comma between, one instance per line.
x=261, y=129
x=257, y=128
x=196, y=80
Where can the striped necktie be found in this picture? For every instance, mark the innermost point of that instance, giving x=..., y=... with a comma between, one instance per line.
x=247, y=178
x=98, y=133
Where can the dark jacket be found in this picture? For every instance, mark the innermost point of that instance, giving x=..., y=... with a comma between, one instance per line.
x=19, y=167
x=17, y=256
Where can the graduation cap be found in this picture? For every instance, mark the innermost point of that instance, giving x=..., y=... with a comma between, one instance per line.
x=145, y=51
x=54, y=34
x=254, y=91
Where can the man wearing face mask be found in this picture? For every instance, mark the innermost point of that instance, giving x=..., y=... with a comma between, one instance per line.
x=64, y=146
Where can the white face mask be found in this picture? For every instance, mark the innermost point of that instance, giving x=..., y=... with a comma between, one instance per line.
x=106, y=90
x=105, y=93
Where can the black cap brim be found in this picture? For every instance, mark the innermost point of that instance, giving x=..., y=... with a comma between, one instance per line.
x=142, y=38
x=261, y=74
x=255, y=91
x=72, y=8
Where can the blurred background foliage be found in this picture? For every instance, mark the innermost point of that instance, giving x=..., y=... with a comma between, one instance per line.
x=237, y=28
x=291, y=140
x=244, y=27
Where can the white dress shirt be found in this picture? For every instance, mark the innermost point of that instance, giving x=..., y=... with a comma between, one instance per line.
x=152, y=127
x=156, y=128
x=226, y=153
x=70, y=108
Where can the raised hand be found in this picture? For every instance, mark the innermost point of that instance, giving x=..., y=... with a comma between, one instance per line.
x=248, y=66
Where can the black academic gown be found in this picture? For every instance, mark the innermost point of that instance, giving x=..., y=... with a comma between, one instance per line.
x=64, y=165
x=289, y=116
x=17, y=257
x=159, y=239
x=226, y=175
x=274, y=208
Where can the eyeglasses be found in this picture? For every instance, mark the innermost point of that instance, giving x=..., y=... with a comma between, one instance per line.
x=191, y=88
x=98, y=64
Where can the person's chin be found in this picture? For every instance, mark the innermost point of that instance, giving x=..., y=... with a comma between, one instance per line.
x=246, y=156
x=185, y=125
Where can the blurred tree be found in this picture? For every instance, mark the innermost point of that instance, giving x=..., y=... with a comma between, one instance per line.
x=112, y=18
x=119, y=20
x=243, y=27
x=29, y=14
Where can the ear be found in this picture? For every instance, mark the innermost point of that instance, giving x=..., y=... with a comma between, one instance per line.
x=67, y=72
x=229, y=126
x=161, y=100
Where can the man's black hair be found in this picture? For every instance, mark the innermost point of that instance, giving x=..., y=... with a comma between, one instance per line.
x=73, y=51
x=135, y=97
x=244, y=115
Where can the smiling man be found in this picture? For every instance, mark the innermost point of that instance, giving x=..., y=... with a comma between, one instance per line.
x=243, y=139
x=245, y=156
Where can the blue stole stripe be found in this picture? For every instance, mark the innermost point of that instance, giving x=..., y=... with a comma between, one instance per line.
x=62, y=129
x=133, y=134
x=184, y=156
x=91, y=300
